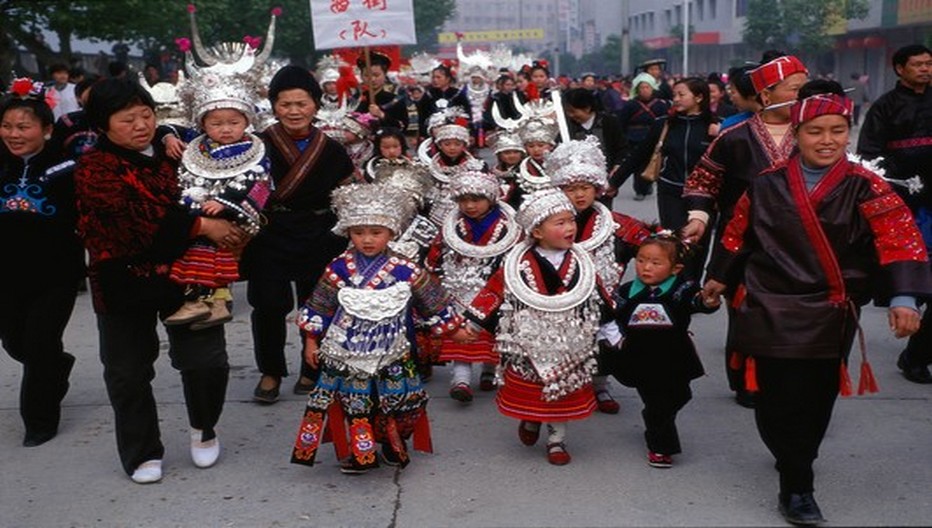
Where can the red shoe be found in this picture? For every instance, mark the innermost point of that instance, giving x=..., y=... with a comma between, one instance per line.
x=528, y=436
x=557, y=454
x=461, y=393
x=659, y=461
x=606, y=404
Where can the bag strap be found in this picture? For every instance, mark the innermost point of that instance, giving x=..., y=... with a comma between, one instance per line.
x=663, y=136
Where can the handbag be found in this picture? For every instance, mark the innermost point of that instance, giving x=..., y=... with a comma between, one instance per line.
x=652, y=171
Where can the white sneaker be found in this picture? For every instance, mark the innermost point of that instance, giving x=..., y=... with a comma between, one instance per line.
x=148, y=472
x=204, y=454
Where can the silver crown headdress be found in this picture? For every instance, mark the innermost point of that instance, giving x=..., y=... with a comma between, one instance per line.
x=450, y=122
x=539, y=120
x=540, y=205
x=503, y=140
x=413, y=177
x=476, y=183
x=231, y=77
x=328, y=68
x=170, y=109
x=501, y=57
x=371, y=204
x=478, y=63
x=577, y=161
x=422, y=64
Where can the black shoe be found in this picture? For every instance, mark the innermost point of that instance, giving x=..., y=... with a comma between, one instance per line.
x=800, y=509
x=746, y=399
x=37, y=438
x=349, y=466
x=914, y=373
x=302, y=388
x=267, y=396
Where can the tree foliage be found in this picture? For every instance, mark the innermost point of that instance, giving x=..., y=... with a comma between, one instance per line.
x=154, y=26
x=798, y=25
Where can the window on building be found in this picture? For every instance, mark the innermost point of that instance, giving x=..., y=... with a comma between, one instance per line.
x=669, y=17
x=712, y=8
x=700, y=12
x=652, y=20
x=679, y=15
x=741, y=8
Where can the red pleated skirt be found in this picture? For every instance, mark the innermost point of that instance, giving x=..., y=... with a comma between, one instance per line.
x=206, y=265
x=482, y=350
x=523, y=400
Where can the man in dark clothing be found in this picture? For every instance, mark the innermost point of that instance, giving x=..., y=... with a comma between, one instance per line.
x=898, y=128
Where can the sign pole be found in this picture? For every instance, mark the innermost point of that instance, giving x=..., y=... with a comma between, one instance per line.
x=369, y=85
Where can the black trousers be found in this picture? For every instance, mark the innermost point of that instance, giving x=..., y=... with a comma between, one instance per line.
x=129, y=346
x=662, y=401
x=793, y=410
x=32, y=323
x=674, y=215
x=640, y=185
x=919, y=347
x=272, y=300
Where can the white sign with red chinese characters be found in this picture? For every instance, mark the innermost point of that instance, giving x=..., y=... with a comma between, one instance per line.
x=357, y=23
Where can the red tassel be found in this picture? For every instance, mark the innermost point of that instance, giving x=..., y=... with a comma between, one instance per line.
x=740, y=293
x=867, y=383
x=750, y=375
x=422, y=441
x=532, y=92
x=735, y=361
x=844, y=381
x=337, y=423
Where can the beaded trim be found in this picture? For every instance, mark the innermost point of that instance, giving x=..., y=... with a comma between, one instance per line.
x=493, y=249
x=513, y=267
x=220, y=169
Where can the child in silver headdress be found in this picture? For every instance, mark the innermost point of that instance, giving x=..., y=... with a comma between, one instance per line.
x=472, y=242
x=224, y=172
x=358, y=329
x=548, y=298
x=612, y=239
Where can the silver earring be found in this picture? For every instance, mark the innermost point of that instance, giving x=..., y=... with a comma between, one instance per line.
x=47, y=137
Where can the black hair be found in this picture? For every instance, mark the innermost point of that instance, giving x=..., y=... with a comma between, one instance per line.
x=109, y=96
x=699, y=88
x=739, y=78
x=503, y=78
x=770, y=55
x=293, y=77
x=902, y=55
x=117, y=68
x=37, y=106
x=57, y=67
x=84, y=85
x=677, y=249
x=387, y=132
x=538, y=66
x=447, y=71
x=580, y=98
x=77, y=71
x=820, y=86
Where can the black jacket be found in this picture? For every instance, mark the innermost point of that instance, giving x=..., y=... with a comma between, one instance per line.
x=686, y=142
x=611, y=137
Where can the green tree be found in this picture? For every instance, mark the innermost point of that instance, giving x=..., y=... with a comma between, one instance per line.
x=798, y=25
x=154, y=26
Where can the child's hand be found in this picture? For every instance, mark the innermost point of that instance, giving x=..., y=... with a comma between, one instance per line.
x=463, y=335
x=174, y=147
x=212, y=207
x=310, y=351
x=904, y=321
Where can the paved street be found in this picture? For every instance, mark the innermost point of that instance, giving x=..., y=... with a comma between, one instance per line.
x=875, y=468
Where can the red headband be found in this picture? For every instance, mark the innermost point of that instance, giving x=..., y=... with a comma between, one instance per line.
x=771, y=73
x=820, y=105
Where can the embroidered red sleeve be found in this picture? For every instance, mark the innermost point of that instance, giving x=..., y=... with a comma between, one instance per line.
x=733, y=238
x=896, y=236
x=630, y=230
x=488, y=300
x=706, y=178
x=433, y=259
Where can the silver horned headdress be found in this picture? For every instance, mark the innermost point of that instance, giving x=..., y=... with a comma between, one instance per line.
x=577, y=161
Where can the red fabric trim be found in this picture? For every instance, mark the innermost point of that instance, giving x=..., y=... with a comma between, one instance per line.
x=422, y=440
x=820, y=243
x=909, y=143
x=733, y=238
x=336, y=423
x=896, y=236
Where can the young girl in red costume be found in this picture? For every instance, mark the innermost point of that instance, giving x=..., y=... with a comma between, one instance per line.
x=472, y=242
x=548, y=299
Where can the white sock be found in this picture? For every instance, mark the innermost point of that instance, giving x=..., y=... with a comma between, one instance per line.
x=556, y=432
x=462, y=373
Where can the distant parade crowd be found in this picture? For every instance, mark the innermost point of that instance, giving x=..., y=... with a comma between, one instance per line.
x=358, y=194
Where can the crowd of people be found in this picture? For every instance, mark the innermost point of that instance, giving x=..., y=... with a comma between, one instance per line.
x=366, y=205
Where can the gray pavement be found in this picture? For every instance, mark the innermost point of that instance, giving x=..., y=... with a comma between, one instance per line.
x=875, y=468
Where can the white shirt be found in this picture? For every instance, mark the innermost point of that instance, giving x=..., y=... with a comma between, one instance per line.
x=66, y=102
